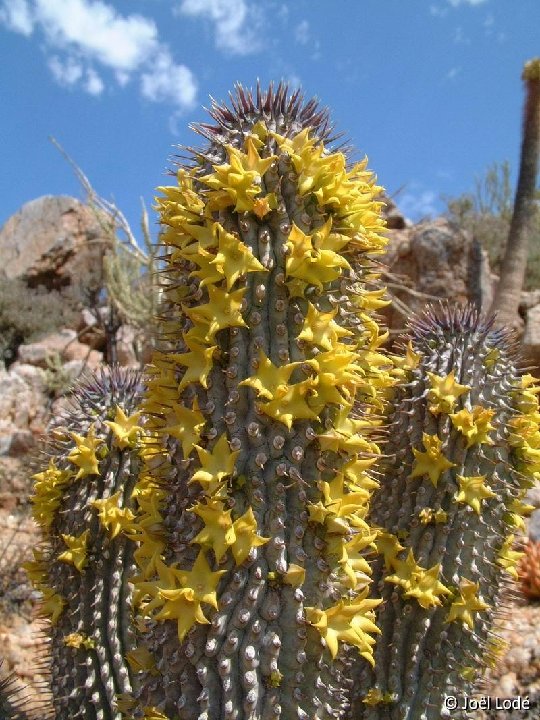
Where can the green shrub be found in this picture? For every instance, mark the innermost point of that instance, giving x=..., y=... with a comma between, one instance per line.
x=26, y=314
x=487, y=212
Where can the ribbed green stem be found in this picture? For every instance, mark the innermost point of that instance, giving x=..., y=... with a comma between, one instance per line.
x=263, y=295
x=444, y=528
x=83, y=501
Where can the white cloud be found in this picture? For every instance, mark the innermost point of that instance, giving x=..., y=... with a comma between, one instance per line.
x=98, y=31
x=438, y=11
x=293, y=81
x=16, y=16
x=460, y=38
x=453, y=73
x=236, y=22
x=67, y=72
x=82, y=36
x=70, y=72
x=455, y=3
x=442, y=10
x=418, y=205
x=301, y=33
x=168, y=82
x=93, y=84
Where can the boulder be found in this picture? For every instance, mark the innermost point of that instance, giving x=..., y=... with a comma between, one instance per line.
x=395, y=220
x=23, y=414
x=90, y=332
x=64, y=345
x=431, y=261
x=530, y=341
x=54, y=241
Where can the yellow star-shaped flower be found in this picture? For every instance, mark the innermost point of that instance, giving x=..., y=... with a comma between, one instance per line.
x=318, y=512
x=473, y=490
x=339, y=499
x=76, y=640
x=262, y=206
x=238, y=182
x=444, y=392
x=295, y=575
x=404, y=569
x=141, y=659
x=125, y=429
x=222, y=311
x=508, y=558
x=320, y=328
x=76, y=555
x=389, y=546
x=428, y=515
x=345, y=433
x=181, y=605
x=198, y=362
x=185, y=425
x=152, y=713
x=36, y=569
x=426, y=587
x=215, y=465
x=84, y=455
x=467, y=603
x=431, y=462
x=218, y=531
x=52, y=605
x=112, y=517
x=203, y=234
x=336, y=370
x=474, y=425
x=306, y=261
x=417, y=582
x=233, y=258
x=269, y=377
x=349, y=622
x=290, y=403
x=48, y=493
x=409, y=361
x=201, y=580
x=207, y=273
x=245, y=529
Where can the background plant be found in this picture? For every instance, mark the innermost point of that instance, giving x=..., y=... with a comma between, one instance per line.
x=486, y=213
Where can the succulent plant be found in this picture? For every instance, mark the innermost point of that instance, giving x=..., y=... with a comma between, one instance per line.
x=261, y=454
x=81, y=501
x=529, y=570
x=12, y=699
x=210, y=548
x=450, y=500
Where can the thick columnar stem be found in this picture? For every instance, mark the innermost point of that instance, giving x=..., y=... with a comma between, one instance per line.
x=259, y=453
x=82, y=501
x=448, y=505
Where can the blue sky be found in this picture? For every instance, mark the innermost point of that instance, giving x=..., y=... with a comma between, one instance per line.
x=430, y=90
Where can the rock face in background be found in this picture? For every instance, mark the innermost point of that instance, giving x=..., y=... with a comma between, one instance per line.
x=23, y=408
x=434, y=260
x=531, y=336
x=394, y=218
x=64, y=345
x=54, y=241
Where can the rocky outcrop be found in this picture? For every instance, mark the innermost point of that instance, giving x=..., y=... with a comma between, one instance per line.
x=53, y=241
x=395, y=220
x=531, y=335
x=23, y=412
x=434, y=260
x=63, y=345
